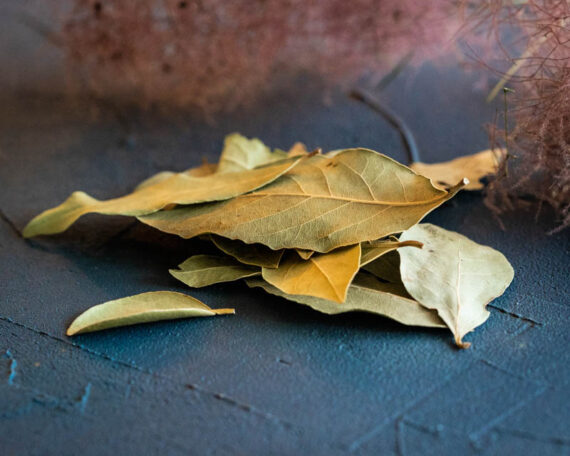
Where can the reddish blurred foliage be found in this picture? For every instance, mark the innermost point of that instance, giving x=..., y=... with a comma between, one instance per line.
x=539, y=44
x=215, y=55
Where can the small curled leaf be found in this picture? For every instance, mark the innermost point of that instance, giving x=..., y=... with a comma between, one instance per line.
x=473, y=167
x=203, y=270
x=141, y=308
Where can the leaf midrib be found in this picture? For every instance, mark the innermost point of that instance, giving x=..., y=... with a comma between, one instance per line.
x=331, y=284
x=346, y=199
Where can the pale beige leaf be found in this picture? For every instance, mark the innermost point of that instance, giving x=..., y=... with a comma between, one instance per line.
x=473, y=167
x=252, y=254
x=322, y=204
x=453, y=275
x=141, y=308
x=366, y=294
x=241, y=154
x=176, y=189
x=325, y=275
x=203, y=270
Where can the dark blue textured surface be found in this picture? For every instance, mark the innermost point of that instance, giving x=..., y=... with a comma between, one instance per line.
x=277, y=378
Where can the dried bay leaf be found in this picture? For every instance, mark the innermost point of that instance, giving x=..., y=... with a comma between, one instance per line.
x=473, y=167
x=297, y=149
x=325, y=275
x=305, y=254
x=241, y=154
x=366, y=294
x=205, y=169
x=203, y=270
x=177, y=189
x=453, y=275
x=386, y=267
x=321, y=204
x=252, y=254
x=382, y=261
x=155, y=179
x=141, y=308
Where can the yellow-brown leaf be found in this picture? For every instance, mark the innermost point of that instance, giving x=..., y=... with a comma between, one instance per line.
x=324, y=203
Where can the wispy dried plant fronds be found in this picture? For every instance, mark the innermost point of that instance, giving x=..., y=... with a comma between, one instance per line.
x=538, y=51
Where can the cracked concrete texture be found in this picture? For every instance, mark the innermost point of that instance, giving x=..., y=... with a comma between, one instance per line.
x=277, y=378
x=125, y=407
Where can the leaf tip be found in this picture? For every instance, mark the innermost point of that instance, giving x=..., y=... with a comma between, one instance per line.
x=28, y=231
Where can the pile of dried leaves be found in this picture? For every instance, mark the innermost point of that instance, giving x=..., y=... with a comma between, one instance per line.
x=337, y=232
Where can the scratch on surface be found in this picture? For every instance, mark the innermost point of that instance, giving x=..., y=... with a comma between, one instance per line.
x=516, y=315
x=11, y=224
x=219, y=396
x=534, y=437
x=127, y=394
x=84, y=399
x=524, y=327
x=357, y=443
x=13, y=365
x=509, y=373
x=476, y=436
x=401, y=424
x=400, y=442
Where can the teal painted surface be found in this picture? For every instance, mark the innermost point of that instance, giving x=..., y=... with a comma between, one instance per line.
x=276, y=378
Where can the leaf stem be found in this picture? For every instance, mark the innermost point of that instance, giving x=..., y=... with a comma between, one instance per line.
x=393, y=119
x=224, y=311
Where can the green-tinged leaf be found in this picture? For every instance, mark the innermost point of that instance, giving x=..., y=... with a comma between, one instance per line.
x=453, y=275
x=240, y=154
x=141, y=308
x=386, y=267
x=473, y=167
x=203, y=270
x=252, y=254
x=177, y=189
x=374, y=250
x=325, y=275
x=324, y=203
x=366, y=294
x=204, y=169
x=305, y=254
